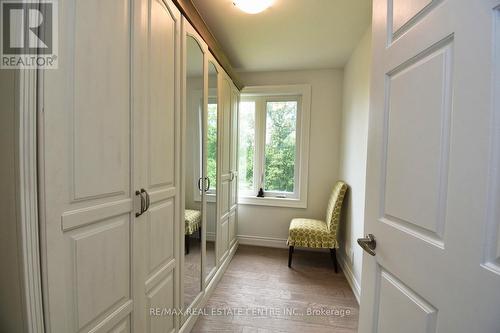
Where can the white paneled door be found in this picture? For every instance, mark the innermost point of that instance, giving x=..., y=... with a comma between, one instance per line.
x=432, y=181
x=87, y=199
x=109, y=128
x=225, y=164
x=157, y=163
x=233, y=166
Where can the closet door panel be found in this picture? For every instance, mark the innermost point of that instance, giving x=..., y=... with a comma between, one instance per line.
x=224, y=193
x=160, y=132
x=225, y=172
x=121, y=327
x=226, y=126
x=224, y=243
x=85, y=164
x=161, y=297
x=161, y=123
x=232, y=226
x=101, y=131
x=161, y=230
x=157, y=162
x=101, y=258
x=225, y=135
x=233, y=194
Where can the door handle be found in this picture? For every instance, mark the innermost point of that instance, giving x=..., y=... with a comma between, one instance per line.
x=368, y=244
x=148, y=199
x=208, y=184
x=232, y=176
x=143, y=203
x=199, y=183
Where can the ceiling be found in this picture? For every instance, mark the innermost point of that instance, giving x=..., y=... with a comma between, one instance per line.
x=290, y=35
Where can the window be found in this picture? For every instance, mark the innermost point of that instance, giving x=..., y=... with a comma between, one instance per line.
x=273, y=145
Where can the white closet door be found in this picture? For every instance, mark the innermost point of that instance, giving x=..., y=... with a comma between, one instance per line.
x=156, y=85
x=225, y=171
x=86, y=198
x=233, y=188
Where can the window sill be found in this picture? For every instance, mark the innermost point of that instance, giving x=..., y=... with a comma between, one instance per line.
x=273, y=202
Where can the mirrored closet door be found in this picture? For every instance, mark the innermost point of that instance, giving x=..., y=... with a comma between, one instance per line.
x=212, y=147
x=199, y=167
x=193, y=170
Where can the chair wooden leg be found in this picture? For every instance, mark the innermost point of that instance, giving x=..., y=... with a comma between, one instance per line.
x=333, y=253
x=290, y=252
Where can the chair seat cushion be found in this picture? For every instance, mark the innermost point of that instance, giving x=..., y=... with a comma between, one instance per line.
x=310, y=233
x=192, y=221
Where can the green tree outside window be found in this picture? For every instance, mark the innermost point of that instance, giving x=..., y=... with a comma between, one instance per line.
x=281, y=120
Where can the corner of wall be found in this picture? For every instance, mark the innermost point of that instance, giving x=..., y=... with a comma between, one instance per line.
x=353, y=155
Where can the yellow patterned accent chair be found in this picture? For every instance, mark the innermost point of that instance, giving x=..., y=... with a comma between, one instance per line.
x=317, y=233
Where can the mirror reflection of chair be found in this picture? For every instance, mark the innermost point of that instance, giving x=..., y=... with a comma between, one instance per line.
x=192, y=224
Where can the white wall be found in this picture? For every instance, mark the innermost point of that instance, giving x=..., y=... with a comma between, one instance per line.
x=268, y=226
x=352, y=167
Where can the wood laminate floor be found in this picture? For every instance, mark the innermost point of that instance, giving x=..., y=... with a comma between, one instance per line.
x=259, y=293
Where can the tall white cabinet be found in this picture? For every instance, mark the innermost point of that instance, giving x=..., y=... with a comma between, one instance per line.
x=229, y=95
x=111, y=170
x=109, y=155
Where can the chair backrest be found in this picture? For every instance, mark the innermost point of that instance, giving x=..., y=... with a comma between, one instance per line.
x=335, y=206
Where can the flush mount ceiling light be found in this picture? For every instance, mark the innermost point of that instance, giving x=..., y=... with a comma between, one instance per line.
x=252, y=6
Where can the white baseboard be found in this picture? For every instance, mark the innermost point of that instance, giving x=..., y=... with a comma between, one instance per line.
x=262, y=241
x=356, y=288
x=279, y=243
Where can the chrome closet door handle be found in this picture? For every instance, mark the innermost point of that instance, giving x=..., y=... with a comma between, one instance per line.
x=143, y=203
x=199, y=183
x=148, y=199
x=208, y=184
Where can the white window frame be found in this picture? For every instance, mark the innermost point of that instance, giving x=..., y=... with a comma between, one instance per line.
x=261, y=95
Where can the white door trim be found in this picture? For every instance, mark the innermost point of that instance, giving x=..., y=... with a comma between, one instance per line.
x=27, y=109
